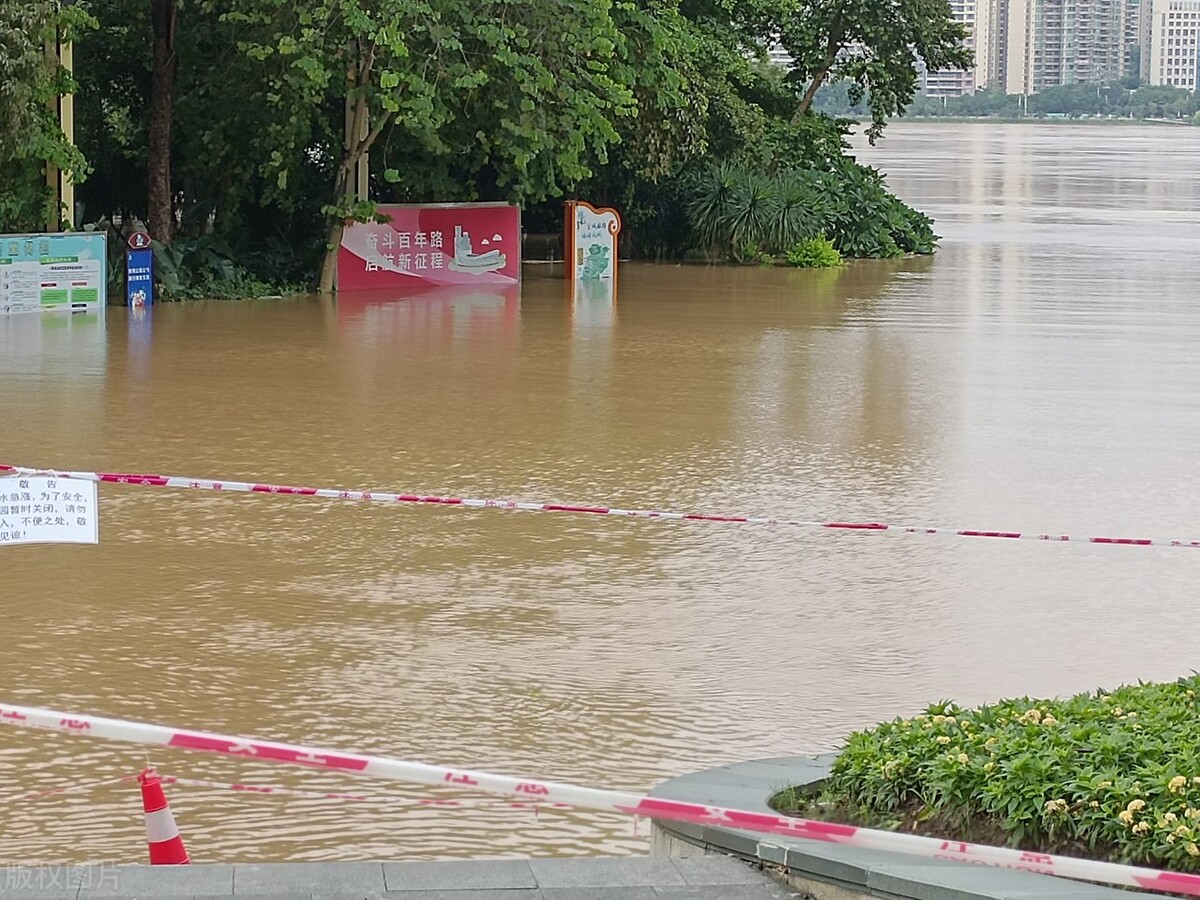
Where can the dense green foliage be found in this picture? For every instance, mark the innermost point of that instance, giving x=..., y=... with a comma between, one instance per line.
x=269, y=108
x=742, y=213
x=1114, y=774
x=29, y=132
x=814, y=253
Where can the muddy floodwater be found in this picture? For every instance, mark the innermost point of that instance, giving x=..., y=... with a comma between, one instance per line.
x=1040, y=373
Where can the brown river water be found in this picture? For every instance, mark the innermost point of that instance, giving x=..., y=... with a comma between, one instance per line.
x=1040, y=373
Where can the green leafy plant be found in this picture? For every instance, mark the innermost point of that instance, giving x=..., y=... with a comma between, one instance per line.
x=1115, y=775
x=747, y=214
x=195, y=268
x=731, y=207
x=815, y=253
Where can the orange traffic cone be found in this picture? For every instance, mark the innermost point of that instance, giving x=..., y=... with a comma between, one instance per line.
x=162, y=836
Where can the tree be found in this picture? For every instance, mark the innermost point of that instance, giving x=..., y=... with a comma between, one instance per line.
x=160, y=203
x=872, y=44
x=30, y=137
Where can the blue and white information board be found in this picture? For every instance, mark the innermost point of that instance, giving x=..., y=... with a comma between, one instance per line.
x=139, y=278
x=52, y=272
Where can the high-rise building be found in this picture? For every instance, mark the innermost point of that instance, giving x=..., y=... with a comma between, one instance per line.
x=956, y=82
x=1130, y=58
x=991, y=44
x=1171, y=55
x=1056, y=42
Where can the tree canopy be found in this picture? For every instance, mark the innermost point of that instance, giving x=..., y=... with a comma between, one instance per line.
x=243, y=125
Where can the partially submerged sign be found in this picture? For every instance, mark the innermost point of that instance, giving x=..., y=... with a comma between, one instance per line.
x=52, y=271
x=47, y=510
x=591, y=241
x=432, y=245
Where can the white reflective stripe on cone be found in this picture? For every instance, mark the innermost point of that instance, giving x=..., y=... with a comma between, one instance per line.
x=160, y=826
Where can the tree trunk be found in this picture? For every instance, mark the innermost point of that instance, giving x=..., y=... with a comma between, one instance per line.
x=341, y=191
x=833, y=46
x=811, y=93
x=164, y=15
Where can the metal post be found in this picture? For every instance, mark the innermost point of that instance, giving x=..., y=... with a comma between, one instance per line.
x=66, y=113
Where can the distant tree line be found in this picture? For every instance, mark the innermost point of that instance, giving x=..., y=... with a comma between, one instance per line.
x=1125, y=100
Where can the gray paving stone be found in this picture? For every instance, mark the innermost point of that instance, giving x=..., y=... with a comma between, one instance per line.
x=739, y=843
x=459, y=875
x=250, y=880
x=153, y=882
x=512, y=894
x=600, y=893
x=764, y=891
x=600, y=872
x=716, y=870
x=966, y=882
x=41, y=882
x=848, y=865
x=772, y=853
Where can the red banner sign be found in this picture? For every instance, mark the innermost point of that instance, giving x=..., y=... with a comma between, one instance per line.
x=435, y=244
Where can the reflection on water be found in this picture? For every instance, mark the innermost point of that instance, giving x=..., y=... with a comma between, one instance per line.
x=1038, y=373
x=68, y=343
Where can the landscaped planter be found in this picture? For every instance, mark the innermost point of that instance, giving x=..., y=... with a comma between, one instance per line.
x=827, y=871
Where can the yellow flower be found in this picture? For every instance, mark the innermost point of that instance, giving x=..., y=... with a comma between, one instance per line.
x=1192, y=849
x=938, y=720
x=1056, y=806
x=1136, y=805
x=1175, y=785
x=1170, y=838
x=1104, y=784
x=1133, y=715
x=963, y=758
x=1095, y=804
x=950, y=720
x=989, y=766
x=1141, y=828
x=943, y=739
x=990, y=743
x=1170, y=817
x=1192, y=813
x=1126, y=817
x=1049, y=720
x=1118, y=711
x=1196, y=779
x=1183, y=831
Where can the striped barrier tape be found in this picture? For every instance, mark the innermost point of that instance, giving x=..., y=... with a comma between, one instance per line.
x=204, y=484
x=275, y=791
x=598, y=799
x=65, y=789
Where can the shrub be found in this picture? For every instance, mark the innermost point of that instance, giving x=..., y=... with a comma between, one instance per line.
x=729, y=207
x=204, y=268
x=1113, y=775
x=815, y=253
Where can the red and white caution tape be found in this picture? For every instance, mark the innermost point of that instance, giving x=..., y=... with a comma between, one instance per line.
x=273, y=791
x=204, y=484
x=66, y=789
x=593, y=798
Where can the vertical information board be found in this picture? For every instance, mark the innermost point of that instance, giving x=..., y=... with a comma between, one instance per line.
x=53, y=271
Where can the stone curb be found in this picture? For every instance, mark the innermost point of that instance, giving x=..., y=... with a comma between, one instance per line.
x=830, y=872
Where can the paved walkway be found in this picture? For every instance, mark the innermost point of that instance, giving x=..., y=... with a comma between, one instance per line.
x=618, y=878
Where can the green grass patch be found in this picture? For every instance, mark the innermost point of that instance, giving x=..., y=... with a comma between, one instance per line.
x=1111, y=775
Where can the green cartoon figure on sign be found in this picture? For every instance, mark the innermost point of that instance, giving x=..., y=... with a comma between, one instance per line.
x=596, y=262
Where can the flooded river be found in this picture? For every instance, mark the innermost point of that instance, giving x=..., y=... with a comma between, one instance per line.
x=1040, y=373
